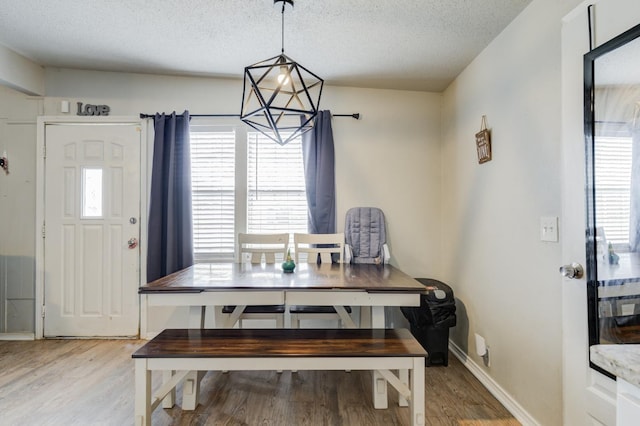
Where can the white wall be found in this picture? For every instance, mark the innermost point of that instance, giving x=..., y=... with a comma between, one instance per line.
x=505, y=278
x=17, y=205
x=390, y=158
x=20, y=73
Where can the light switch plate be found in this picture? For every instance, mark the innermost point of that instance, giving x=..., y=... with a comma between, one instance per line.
x=549, y=228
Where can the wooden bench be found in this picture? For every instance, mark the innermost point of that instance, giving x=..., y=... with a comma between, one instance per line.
x=181, y=353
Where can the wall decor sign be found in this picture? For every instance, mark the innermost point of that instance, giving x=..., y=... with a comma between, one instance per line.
x=89, y=109
x=483, y=142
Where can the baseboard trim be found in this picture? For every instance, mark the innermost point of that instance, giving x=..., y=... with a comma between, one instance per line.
x=150, y=335
x=493, y=387
x=17, y=336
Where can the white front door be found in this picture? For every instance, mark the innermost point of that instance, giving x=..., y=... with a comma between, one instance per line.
x=92, y=227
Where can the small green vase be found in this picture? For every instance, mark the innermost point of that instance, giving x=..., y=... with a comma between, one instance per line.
x=288, y=265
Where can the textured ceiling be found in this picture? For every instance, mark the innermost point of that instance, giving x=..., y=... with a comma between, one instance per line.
x=395, y=44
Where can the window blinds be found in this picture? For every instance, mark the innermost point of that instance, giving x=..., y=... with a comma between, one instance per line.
x=612, y=181
x=277, y=199
x=213, y=186
x=276, y=194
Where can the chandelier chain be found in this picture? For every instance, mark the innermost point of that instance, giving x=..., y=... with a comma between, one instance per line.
x=284, y=3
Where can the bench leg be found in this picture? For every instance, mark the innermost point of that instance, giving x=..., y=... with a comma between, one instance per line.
x=190, y=390
x=417, y=393
x=143, y=393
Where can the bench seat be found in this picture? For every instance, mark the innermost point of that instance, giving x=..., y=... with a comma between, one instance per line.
x=183, y=352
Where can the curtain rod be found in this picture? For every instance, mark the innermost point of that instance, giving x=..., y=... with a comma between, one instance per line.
x=355, y=115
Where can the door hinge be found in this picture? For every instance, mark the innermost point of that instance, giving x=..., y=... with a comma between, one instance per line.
x=44, y=151
x=43, y=310
x=44, y=230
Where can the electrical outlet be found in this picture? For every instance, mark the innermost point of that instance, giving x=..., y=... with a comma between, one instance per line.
x=482, y=349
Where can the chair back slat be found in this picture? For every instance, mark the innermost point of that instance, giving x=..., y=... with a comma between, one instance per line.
x=308, y=244
x=259, y=247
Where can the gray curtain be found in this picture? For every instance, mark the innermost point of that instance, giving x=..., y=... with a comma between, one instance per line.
x=319, y=170
x=170, y=245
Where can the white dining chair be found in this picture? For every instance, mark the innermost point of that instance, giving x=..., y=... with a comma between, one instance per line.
x=261, y=248
x=317, y=248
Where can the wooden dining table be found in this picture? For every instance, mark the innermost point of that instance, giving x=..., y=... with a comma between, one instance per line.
x=371, y=287
x=242, y=284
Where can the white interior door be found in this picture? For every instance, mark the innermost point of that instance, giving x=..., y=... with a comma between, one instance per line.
x=92, y=225
x=588, y=396
x=572, y=226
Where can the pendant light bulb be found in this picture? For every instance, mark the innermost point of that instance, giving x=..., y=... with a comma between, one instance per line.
x=283, y=77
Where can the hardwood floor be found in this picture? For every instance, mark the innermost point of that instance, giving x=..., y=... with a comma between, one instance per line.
x=90, y=382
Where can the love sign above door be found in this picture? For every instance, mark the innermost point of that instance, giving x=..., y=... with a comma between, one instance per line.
x=89, y=109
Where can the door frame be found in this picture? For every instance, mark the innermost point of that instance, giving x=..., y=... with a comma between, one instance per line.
x=42, y=122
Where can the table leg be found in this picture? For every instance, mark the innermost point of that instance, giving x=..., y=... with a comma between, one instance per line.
x=191, y=384
x=379, y=383
x=218, y=317
x=232, y=319
x=377, y=317
x=190, y=390
x=170, y=399
x=196, y=316
x=347, y=321
x=403, y=375
x=365, y=316
x=143, y=393
x=380, y=400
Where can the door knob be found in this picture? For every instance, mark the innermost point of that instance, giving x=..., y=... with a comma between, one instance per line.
x=573, y=271
x=133, y=243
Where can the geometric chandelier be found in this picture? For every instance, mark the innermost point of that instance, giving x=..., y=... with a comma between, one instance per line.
x=280, y=98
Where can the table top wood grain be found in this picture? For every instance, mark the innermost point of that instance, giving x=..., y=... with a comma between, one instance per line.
x=246, y=276
x=305, y=342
